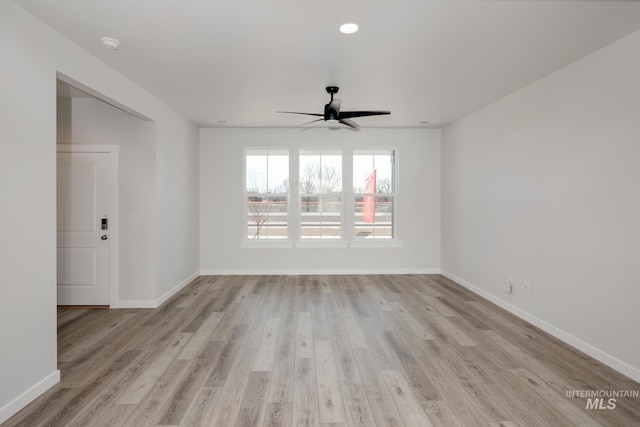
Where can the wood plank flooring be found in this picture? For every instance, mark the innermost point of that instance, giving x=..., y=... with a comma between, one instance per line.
x=366, y=351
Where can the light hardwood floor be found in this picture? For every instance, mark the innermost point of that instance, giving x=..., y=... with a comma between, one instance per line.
x=379, y=350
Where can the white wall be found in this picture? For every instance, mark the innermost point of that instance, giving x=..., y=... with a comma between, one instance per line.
x=177, y=207
x=32, y=54
x=91, y=121
x=221, y=199
x=543, y=185
x=28, y=215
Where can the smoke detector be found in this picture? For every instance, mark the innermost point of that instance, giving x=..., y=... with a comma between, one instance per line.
x=110, y=43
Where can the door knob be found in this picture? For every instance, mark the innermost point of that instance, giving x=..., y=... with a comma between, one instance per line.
x=104, y=237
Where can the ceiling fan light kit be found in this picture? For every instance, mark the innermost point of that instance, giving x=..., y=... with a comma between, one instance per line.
x=332, y=112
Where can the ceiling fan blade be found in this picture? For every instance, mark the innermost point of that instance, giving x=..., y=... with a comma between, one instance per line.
x=312, y=121
x=349, y=123
x=297, y=112
x=350, y=114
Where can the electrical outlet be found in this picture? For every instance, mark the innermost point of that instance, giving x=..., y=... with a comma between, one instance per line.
x=527, y=286
x=508, y=285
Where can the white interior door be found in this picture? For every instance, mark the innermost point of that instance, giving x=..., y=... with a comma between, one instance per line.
x=83, y=228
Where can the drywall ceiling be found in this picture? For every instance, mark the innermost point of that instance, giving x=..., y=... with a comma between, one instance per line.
x=236, y=62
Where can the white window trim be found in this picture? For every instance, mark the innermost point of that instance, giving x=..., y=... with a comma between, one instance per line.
x=247, y=242
x=310, y=242
x=363, y=242
x=348, y=239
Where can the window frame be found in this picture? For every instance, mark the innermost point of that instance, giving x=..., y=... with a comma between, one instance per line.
x=347, y=211
x=324, y=241
x=265, y=242
x=392, y=241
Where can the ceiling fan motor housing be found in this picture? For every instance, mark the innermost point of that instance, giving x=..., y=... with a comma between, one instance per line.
x=330, y=113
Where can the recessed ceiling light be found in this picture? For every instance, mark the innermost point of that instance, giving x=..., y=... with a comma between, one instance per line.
x=110, y=43
x=348, y=28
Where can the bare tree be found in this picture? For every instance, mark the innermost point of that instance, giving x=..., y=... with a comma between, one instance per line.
x=309, y=179
x=330, y=179
x=384, y=186
x=308, y=183
x=317, y=179
x=258, y=215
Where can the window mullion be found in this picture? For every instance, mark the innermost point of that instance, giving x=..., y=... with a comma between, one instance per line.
x=294, y=195
x=347, y=195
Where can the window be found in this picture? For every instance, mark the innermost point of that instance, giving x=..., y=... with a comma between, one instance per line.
x=374, y=194
x=320, y=194
x=267, y=193
x=312, y=213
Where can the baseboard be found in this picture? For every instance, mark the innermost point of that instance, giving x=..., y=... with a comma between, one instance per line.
x=157, y=302
x=312, y=272
x=12, y=408
x=176, y=289
x=567, y=338
x=131, y=303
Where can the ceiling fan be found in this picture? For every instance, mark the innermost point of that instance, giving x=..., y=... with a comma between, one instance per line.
x=332, y=112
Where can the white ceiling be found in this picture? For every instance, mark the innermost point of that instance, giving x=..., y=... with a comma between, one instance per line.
x=240, y=61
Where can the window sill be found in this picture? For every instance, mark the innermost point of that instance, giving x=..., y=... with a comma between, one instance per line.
x=320, y=243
